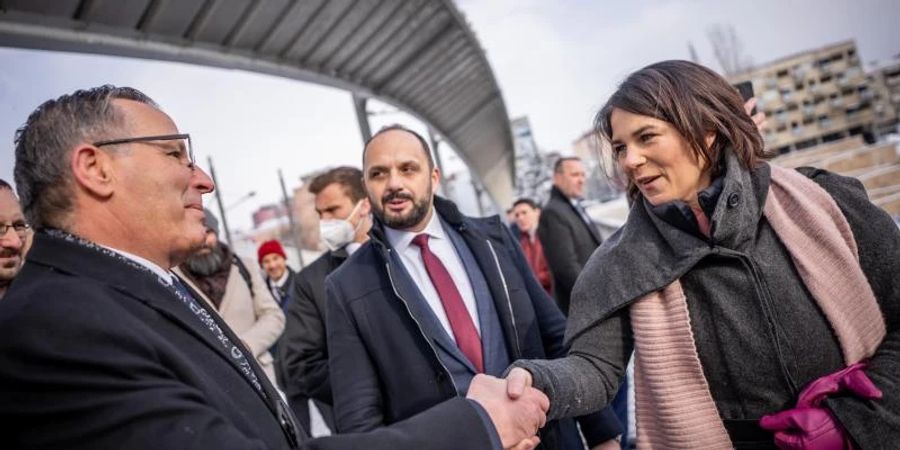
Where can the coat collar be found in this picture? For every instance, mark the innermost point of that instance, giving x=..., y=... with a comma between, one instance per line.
x=72, y=255
x=648, y=252
x=477, y=234
x=556, y=195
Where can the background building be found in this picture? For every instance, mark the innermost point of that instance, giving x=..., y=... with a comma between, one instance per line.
x=592, y=149
x=844, y=120
x=534, y=169
x=884, y=78
x=814, y=97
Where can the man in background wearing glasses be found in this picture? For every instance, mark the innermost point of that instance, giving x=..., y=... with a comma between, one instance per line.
x=14, y=236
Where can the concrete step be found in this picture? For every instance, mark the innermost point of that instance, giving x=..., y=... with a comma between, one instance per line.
x=881, y=177
x=861, y=158
x=890, y=203
x=813, y=156
x=877, y=193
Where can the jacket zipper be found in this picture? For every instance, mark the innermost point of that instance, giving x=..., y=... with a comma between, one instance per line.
x=766, y=300
x=387, y=266
x=512, y=314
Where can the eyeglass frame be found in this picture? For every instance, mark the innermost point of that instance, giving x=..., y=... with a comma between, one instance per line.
x=163, y=137
x=6, y=226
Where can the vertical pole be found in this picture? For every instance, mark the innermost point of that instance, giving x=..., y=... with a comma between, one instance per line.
x=362, y=117
x=295, y=235
x=478, y=191
x=212, y=173
x=445, y=182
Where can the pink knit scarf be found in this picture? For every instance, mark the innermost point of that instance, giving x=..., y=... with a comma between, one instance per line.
x=675, y=409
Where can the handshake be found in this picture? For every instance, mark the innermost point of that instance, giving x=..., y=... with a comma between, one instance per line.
x=517, y=410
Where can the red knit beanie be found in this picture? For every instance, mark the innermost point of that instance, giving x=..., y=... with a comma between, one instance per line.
x=269, y=247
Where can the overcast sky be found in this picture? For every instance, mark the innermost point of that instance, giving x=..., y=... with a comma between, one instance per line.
x=556, y=62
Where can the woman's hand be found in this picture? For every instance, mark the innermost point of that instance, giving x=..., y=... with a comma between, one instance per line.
x=517, y=381
x=759, y=118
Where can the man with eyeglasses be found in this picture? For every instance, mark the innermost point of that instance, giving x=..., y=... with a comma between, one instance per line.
x=14, y=236
x=102, y=348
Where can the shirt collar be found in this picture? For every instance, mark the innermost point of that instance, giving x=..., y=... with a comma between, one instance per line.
x=400, y=240
x=280, y=282
x=352, y=247
x=164, y=274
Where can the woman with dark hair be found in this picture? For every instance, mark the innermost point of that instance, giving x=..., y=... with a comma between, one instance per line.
x=762, y=303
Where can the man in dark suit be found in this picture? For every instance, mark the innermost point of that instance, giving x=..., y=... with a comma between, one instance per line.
x=433, y=299
x=574, y=237
x=566, y=225
x=101, y=348
x=344, y=225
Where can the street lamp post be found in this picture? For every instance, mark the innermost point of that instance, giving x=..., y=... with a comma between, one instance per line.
x=246, y=196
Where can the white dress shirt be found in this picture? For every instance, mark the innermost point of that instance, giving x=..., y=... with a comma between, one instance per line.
x=439, y=244
x=284, y=277
x=279, y=283
x=164, y=274
x=352, y=247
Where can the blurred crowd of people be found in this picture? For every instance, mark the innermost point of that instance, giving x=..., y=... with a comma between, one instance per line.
x=759, y=305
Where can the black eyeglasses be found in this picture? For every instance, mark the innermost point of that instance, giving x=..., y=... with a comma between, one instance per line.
x=186, y=149
x=20, y=227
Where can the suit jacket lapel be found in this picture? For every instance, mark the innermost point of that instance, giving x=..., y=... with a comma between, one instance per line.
x=485, y=257
x=133, y=282
x=208, y=337
x=591, y=227
x=420, y=310
x=491, y=336
x=173, y=308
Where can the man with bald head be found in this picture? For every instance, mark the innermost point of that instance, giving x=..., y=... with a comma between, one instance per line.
x=14, y=235
x=433, y=300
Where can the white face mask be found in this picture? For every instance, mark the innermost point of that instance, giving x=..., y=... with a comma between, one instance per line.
x=336, y=233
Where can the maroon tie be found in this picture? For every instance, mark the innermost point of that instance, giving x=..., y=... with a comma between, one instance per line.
x=460, y=321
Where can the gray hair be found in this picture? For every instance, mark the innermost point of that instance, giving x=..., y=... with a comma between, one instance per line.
x=42, y=173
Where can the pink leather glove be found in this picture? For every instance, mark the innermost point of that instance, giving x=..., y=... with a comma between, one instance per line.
x=806, y=429
x=812, y=427
x=851, y=379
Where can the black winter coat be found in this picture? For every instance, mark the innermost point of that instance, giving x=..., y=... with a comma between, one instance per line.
x=383, y=367
x=568, y=243
x=759, y=334
x=303, y=351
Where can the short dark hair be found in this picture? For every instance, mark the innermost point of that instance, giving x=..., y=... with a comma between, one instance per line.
x=558, y=165
x=42, y=173
x=350, y=178
x=695, y=101
x=526, y=201
x=398, y=127
x=5, y=185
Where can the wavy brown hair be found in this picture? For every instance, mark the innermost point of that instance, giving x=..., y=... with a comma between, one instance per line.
x=695, y=101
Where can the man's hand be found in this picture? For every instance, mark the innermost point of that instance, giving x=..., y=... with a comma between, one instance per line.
x=517, y=420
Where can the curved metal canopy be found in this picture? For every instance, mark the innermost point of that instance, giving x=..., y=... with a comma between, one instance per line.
x=419, y=55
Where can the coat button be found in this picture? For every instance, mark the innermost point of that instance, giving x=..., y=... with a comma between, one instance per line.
x=734, y=199
x=441, y=376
